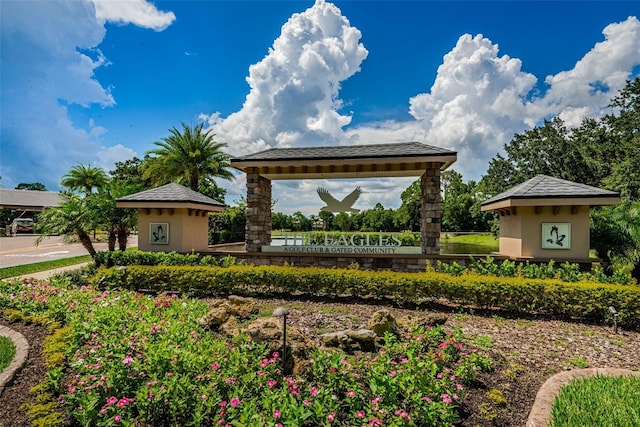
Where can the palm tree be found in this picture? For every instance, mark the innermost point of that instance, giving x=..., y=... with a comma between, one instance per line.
x=84, y=178
x=117, y=221
x=187, y=157
x=71, y=218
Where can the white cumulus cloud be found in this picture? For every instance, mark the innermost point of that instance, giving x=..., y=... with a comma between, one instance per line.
x=137, y=12
x=293, y=98
x=586, y=89
x=49, y=56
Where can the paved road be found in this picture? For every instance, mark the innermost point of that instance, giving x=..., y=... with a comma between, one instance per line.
x=21, y=249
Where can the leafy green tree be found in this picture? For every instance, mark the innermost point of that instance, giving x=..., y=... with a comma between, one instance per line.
x=328, y=219
x=117, y=221
x=343, y=222
x=408, y=214
x=186, y=157
x=281, y=221
x=624, y=137
x=615, y=235
x=378, y=219
x=33, y=186
x=461, y=205
x=547, y=150
x=209, y=188
x=301, y=222
x=129, y=173
x=73, y=218
x=84, y=178
x=228, y=226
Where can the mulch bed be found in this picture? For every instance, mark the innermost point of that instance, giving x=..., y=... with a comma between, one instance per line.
x=527, y=352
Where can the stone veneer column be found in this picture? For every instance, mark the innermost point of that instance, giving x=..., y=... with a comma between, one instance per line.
x=258, y=229
x=431, y=210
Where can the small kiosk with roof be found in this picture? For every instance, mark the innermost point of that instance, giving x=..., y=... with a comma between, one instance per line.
x=172, y=218
x=547, y=218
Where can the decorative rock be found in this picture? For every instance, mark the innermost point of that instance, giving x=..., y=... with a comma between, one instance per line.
x=363, y=339
x=230, y=328
x=215, y=317
x=336, y=339
x=382, y=321
x=242, y=307
x=268, y=330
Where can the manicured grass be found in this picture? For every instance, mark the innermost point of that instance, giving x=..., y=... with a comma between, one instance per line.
x=20, y=270
x=7, y=352
x=477, y=239
x=598, y=401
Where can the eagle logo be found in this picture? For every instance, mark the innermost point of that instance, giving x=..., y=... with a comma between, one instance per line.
x=344, y=205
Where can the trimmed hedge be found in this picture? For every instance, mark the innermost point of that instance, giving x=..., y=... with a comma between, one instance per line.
x=585, y=300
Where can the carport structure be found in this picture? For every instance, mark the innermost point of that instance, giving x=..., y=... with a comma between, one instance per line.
x=29, y=200
x=357, y=161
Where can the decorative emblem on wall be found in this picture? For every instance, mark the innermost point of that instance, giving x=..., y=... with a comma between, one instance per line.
x=344, y=205
x=556, y=235
x=159, y=233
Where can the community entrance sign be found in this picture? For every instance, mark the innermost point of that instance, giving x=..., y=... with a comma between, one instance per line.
x=353, y=162
x=345, y=243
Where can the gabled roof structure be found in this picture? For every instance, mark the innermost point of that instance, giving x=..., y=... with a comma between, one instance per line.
x=543, y=190
x=29, y=200
x=171, y=195
x=353, y=161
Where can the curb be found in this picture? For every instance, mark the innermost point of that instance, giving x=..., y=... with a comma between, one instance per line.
x=22, y=351
x=540, y=415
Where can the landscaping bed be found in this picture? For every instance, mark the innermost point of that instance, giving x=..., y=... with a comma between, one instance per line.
x=526, y=351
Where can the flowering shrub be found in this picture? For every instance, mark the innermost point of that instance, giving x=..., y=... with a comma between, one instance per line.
x=135, y=359
x=584, y=299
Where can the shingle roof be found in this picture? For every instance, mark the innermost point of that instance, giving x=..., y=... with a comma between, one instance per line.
x=402, y=149
x=29, y=199
x=171, y=192
x=545, y=187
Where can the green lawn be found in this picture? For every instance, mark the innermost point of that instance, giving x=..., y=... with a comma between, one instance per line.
x=7, y=352
x=602, y=401
x=20, y=270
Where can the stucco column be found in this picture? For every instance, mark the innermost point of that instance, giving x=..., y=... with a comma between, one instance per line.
x=258, y=230
x=430, y=210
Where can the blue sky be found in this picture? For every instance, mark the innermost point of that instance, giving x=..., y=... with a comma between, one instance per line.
x=96, y=82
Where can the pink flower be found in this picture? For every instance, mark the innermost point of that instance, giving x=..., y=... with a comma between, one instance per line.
x=351, y=393
x=360, y=414
x=127, y=360
x=124, y=401
x=203, y=397
x=117, y=418
x=392, y=373
x=235, y=402
x=169, y=374
x=446, y=398
x=331, y=417
x=313, y=391
x=222, y=404
x=306, y=402
x=426, y=399
x=215, y=366
x=112, y=400
x=276, y=414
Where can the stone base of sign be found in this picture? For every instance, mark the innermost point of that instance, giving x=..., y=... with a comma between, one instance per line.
x=413, y=263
